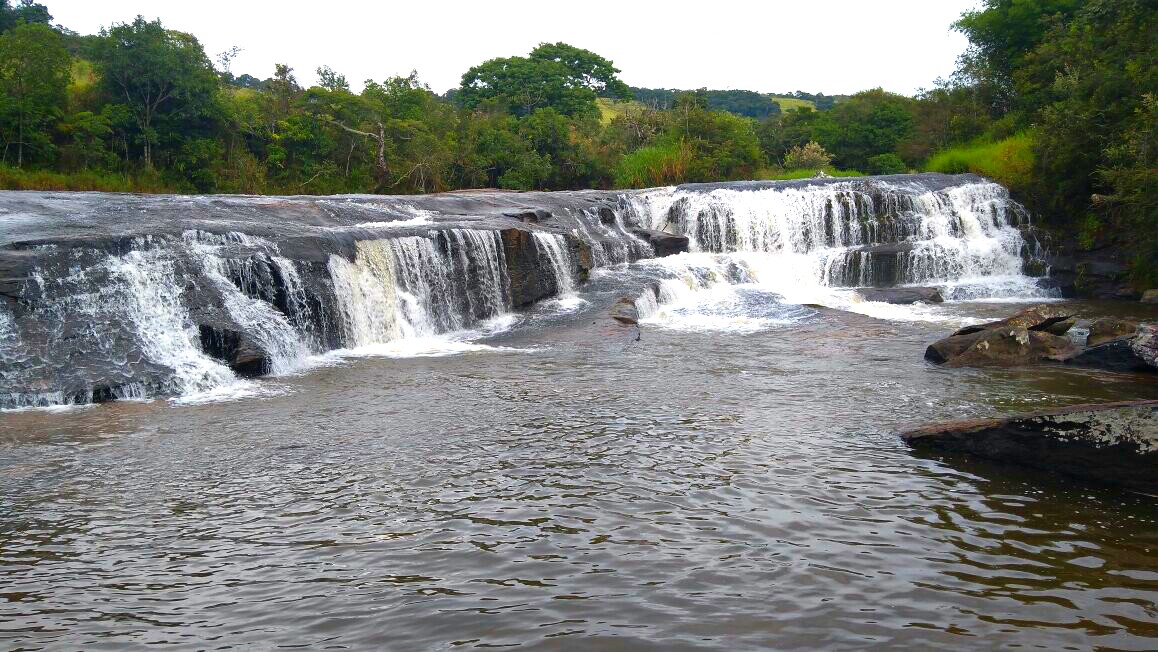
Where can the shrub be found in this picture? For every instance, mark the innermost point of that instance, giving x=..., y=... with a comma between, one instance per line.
x=810, y=156
x=886, y=164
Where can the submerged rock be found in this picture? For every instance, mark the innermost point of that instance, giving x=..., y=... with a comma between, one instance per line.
x=902, y=295
x=1114, y=443
x=1106, y=329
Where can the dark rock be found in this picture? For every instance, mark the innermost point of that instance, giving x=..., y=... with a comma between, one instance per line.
x=947, y=348
x=1058, y=328
x=1106, y=329
x=1113, y=443
x=530, y=280
x=1036, y=318
x=235, y=349
x=1126, y=354
x=902, y=295
x=664, y=244
x=533, y=216
x=606, y=215
x=624, y=311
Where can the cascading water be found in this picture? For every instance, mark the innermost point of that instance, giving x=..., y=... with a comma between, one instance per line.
x=414, y=286
x=553, y=248
x=964, y=237
x=222, y=287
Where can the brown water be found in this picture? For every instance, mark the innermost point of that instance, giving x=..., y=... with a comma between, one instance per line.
x=692, y=490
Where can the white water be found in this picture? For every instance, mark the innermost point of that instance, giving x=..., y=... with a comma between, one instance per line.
x=758, y=256
x=412, y=288
x=553, y=248
x=805, y=244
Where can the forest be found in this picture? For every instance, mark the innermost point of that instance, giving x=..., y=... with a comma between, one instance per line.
x=1056, y=99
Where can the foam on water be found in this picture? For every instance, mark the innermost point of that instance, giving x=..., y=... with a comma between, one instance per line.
x=809, y=244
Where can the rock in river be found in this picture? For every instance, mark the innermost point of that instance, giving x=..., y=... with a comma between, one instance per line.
x=624, y=311
x=1032, y=335
x=902, y=295
x=1115, y=443
x=1106, y=329
x=1138, y=352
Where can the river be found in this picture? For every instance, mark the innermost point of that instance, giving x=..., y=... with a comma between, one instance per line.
x=726, y=476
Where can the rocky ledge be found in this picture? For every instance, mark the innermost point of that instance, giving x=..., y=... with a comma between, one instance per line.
x=1115, y=443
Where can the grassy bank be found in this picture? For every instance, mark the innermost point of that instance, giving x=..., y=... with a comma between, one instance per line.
x=20, y=179
x=779, y=174
x=1008, y=161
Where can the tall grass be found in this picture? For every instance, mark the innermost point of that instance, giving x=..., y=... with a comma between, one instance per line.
x=781, y=174
x=21, y=179
x=654, y=165
x=1008, y=161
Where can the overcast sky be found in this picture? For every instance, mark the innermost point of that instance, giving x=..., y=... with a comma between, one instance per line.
x=829, y=46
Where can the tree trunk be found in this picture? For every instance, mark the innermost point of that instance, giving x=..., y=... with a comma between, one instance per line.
x=148, y=143
x=20, y=141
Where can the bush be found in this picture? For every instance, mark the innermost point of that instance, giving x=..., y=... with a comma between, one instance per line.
x=886, y=164
x=654, y=165
x=810, y=156
x=1008, y=161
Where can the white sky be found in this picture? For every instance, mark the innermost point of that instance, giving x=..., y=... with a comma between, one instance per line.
x=829, y=46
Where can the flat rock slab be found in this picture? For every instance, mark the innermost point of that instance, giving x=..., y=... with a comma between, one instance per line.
x=1115, y=443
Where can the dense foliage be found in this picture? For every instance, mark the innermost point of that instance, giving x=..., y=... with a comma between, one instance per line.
x=1055, y=98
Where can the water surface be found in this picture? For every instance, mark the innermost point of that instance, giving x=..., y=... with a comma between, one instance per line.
x=730, y=480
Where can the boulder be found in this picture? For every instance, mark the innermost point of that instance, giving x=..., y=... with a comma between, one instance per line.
x=1047, y=346
x=1106, y=329
x=1127, y=354
x=1033, y=335
x=946, y=349
x=1004, y=347
x=1150, y=296
x=902, y=295
x=1112, y=443
x=1045, y=317
x=664, y=244
x=625, y=311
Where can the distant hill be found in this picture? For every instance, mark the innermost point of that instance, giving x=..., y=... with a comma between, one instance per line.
x=741, y=102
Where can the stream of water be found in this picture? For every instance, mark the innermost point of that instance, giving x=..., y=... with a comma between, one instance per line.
x=457, y=473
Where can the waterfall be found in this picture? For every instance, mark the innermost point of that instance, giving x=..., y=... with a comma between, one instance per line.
x=249, y=294
x=257, y=286
x=419, y=286
x=553, y=248
x=854, y=232
x=150, y=297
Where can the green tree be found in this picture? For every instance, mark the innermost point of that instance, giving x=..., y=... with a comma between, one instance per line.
x=34, y=73
x=163, y=78
x=1001, y=35
x=587, y=68
x=25, y=11
x=559, y=76
x=867, y=124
